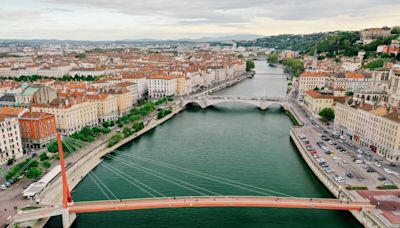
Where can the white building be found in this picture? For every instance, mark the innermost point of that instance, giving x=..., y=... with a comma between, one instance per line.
x=162, y=86
x=10, y=139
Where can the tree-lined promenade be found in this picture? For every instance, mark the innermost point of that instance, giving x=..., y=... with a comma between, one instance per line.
x=124, y=127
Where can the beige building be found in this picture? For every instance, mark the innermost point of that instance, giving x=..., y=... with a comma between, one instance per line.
x=315, y=101
x=124, y=100
x=311, y=80
x=162, y=86
x=107, y=108
x=377, y=128
x=71, y=116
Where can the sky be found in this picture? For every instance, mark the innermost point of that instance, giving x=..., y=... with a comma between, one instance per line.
x=175, y=19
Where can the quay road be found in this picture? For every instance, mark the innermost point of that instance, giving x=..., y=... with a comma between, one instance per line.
x=314, y=128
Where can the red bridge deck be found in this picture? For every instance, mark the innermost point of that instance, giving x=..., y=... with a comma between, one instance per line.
x=218, y=201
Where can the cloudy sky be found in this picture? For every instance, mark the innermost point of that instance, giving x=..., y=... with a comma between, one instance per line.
x=170, y=19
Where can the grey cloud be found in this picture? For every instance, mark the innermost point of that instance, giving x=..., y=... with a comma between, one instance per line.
x=19, y=15
x=236, y=11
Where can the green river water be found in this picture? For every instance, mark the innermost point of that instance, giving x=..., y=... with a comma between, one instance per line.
x=230, y=140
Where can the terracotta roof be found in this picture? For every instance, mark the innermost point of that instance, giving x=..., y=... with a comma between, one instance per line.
x=35, y=115
x=313, y=74
x=354, y=75
x=316, y=94
x=11, y=111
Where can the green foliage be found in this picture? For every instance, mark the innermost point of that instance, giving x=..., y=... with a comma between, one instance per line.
x=396, y=30
x=33, y=172
x=127, y=132
x=293, y=66
x=16, y=169
x=46, y=164
x=11, y=161
x=43, y=156
x=273, y=58
x=80, y=56
x=300, y=43
x=138, y=127
x=338, y=43
x=53, y=147
x=327, y=114
x=350, y=187
x=375, y=64
x=250, y=65
x=163, y=113
x=349, y=93
x=108, y=124
x=387, y=186
x=32, y=78
x=115, y=139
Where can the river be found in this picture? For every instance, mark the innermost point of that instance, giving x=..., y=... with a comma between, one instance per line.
x=230, y=140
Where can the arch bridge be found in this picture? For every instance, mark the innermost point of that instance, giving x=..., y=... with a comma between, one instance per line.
x=262, y=103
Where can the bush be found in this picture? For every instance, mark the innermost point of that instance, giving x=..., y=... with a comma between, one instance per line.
x=115, y=139
x=249, y=65
x=11, y=161
x=374, y=64
x=388, y=186
x=356, y=187
x=163, y=113
x=46, y=164
x=43, y=156
x=138, y=127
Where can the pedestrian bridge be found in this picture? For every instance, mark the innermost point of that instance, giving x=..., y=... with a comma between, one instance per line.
x=195, y=202
x=262, y=103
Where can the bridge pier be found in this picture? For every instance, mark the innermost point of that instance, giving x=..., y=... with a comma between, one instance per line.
x=67, y=218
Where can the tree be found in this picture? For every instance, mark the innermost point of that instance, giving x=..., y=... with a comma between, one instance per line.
x=396, y=30
x=33, y=173
x=11, y=161
x=327, y=114
x=46, y=164
x=293, y=66
x=43, y=156
x=375, y=64
x=250, y=65
x=273, y=58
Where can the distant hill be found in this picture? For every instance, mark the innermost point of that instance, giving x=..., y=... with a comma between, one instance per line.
x=302, y=43
x=237, y=37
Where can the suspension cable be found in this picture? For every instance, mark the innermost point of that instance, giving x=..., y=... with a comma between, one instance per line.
x=130, y=180
x=162, y=176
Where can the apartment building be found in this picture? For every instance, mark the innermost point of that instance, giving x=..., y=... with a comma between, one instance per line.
x=316, y=101
x=311, y=80
x=71, y=115
x=377, y=128
x=107, y=108
x=162, y=86
x=38, y=129
x=10, y=139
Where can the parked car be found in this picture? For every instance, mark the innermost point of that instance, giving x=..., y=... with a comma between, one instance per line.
x=381, y=178
x=377, y=164
x=3, y=187
x=350, y=175
x=358, y=161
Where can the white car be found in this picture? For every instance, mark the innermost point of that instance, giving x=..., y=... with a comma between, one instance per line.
x=388, y=170
x=3, y=187
x=358, y=161
x=377, y=164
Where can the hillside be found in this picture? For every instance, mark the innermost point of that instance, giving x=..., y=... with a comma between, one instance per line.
x=301, y=43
